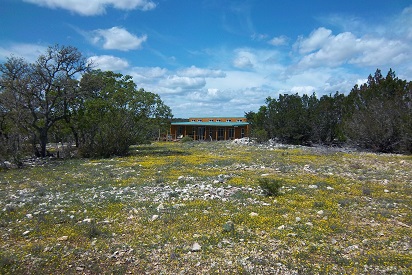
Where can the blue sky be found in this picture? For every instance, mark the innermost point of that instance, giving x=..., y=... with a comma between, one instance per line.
x=220, y=57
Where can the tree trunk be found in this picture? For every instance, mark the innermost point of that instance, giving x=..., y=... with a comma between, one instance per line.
x=43, y=142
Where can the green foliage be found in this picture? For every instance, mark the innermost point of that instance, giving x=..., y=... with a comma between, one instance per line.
x=103, y=114
x=186, y=139
x=379, y=114
x=261, y=135
x=375, y=116
x=257, y=122
x=270, y=187
x=36, y=96
x=115, y=115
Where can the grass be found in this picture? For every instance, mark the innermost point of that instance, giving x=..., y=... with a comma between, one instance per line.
x=333, y=213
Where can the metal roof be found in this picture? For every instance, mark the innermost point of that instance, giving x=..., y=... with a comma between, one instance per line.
x=221, y=124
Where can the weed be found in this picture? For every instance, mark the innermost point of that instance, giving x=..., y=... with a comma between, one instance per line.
x=366, y=191
x=318, y=204
x=186, y=139
x=270, y=187
x=6, y=262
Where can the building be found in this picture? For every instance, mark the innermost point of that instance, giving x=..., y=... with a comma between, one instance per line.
x=211, y=128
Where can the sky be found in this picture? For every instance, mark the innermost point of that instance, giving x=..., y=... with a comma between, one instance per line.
x=220, y=57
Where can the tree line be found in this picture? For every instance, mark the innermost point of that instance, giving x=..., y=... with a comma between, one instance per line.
x=376, y=116
x=60, y=98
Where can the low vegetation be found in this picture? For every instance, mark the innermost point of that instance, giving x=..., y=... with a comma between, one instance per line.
x=199, y=208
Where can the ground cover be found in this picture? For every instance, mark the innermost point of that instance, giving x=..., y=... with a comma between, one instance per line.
x=198, y=208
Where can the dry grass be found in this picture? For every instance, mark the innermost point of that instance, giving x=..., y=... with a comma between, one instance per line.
x=337, y=213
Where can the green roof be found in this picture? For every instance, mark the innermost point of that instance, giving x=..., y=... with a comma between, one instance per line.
x=221, y=124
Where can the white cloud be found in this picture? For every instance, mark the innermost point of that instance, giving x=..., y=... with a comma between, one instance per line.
x=404, y=22
x=94, y=7
x=315, y=40
x=301, y=90
x=109, y=63
x=194, y=71
x=182, y=83
x=381, y=51
x=30, y=52
x=242, y=62
x=278, y=41
x=117, y=38
x=322, y=48
x=148, y=73
x=244, y=58
x=259, y=36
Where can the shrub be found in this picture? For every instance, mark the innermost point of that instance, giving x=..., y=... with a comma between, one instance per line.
x=186, y=139
x=261, y=135
x=270, y=187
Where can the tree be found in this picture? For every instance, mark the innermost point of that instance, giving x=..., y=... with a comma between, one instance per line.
x=379, y=114
x=114, y=114
x=287, y=118
x=257, y=122
x=41, y=94
x=326, y=121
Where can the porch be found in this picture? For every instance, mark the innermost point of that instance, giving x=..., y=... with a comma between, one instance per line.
x=209, y=130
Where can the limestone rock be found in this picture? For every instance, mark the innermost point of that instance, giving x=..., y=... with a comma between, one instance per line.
x=196, y=247
x=63, y=238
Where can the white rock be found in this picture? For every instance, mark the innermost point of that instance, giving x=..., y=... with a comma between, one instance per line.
x=351, y=248
x=298, y=219
x=253, y=214
x=154, y=217
x=313, y=186
x=160, y=208
x=63, y=238
x=329, y=188
x=309, y=224
x=320, y=212
x=281, y=227
x=25, y=233
x=29, y=216
x=196, y=247
x=386, y=191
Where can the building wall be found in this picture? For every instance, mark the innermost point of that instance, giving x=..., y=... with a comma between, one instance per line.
x=217, y=119
x=207, y=132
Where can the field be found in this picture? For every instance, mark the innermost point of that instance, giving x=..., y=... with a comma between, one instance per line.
x=199, y=208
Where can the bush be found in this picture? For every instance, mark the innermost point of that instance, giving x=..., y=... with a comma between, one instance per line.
x=270, y=187
x=186, y=139
x=261, y=135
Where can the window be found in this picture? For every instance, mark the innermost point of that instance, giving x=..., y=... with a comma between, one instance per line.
x=220, y=133
x=210, y=120
x=231, y=133
x=193, y=120
x=199, y=120
x=239, y=120
x=228, y=120
x=218, y=120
